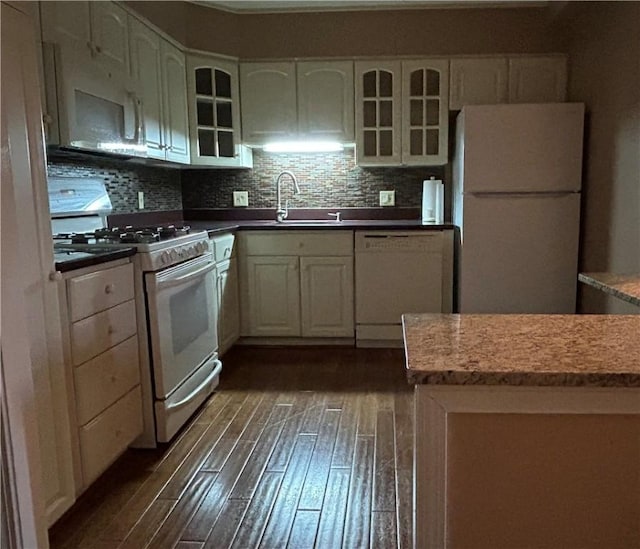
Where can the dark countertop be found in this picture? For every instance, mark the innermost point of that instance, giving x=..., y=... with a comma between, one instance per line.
x=622, y=286
x=66, y=261
x=533, y=350
x=215, y=226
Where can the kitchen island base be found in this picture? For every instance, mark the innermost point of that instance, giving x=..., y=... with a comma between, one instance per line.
x=499, y=466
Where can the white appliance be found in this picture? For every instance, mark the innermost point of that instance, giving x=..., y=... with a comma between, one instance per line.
x=398, y=272
x=516, y=198
x=89, y=111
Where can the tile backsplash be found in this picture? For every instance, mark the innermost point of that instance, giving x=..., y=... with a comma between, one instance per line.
x=327, y=180
x=161, y=186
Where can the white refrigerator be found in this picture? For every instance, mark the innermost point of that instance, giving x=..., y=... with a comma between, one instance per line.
x=517, y=176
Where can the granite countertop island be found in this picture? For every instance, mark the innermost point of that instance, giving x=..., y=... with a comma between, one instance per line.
x=515, y=409
x=543, y=350
x=622, y=286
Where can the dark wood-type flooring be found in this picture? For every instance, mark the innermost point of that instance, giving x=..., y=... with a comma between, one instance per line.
x=299, y=447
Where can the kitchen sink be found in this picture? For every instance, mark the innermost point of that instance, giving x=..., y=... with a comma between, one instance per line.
x=309, y=221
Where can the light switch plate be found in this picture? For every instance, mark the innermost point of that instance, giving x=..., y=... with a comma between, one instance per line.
x=240, y=198
x=387, y=198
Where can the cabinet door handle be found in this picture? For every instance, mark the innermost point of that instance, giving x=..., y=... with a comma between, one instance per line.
x=108, y=289
x=111, y=330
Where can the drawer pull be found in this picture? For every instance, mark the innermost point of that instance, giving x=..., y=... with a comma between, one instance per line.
x=111, y=330
x=114, y=379
x=108, y=288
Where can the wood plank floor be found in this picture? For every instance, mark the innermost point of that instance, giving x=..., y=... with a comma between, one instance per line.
x=299, y=448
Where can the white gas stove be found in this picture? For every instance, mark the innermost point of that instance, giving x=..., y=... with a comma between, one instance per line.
x=158, y=247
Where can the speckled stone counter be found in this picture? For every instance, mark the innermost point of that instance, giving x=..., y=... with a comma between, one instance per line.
x=625, y=287
x=491, y=394
x=532, y=350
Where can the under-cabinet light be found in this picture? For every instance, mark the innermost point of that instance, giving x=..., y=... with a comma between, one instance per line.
x=303, y=146
x=122, y=147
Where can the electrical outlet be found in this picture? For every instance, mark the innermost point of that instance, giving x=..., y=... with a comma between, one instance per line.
x=140, y=200
x=387, y=198
x=241, y=198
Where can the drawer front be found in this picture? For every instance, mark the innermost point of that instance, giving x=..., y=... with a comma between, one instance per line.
x=108, y=435
x=223, y=246
x=104, y=379
x=300, y=243
x=95, y=292
x=94, y=335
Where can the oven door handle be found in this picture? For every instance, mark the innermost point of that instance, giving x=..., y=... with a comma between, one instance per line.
x=193, y=394
x=170, y=282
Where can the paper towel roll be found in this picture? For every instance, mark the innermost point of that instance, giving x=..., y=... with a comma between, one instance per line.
x=432, y=201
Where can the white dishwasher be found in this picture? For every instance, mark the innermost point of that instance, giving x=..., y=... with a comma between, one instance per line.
x=398, y=272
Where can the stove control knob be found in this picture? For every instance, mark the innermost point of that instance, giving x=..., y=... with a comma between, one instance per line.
x=164, y=258
x=173, y=255
x=192, y=251
x=205, y=246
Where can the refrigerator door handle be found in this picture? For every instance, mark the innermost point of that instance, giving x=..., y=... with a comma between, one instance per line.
x=522, y=194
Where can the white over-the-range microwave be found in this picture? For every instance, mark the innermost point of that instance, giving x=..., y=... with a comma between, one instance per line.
x=89, y=108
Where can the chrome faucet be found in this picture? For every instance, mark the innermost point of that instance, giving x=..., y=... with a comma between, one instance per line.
x=282, y=213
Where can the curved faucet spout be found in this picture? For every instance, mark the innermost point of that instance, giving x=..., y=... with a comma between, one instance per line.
x=282, y=213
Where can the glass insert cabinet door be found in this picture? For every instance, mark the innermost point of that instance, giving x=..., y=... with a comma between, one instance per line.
x=402, y=112
x=378, y=112
x=213, y=109
x=425, y=111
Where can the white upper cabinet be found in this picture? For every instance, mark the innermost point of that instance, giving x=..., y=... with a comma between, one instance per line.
x=214, y=113
x=325, y=100
x=540, y=79
x=146, y=70
x=158, y=68
x=478, y=81
x=378, y=112
x=425, y=112
x=67, y=24
x=304, y=100
x=89, y=33
x=174, y=90
x=268, y=95
x=110, y=36
x=402, y=112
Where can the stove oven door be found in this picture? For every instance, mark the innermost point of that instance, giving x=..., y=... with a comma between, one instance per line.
x=182, y=309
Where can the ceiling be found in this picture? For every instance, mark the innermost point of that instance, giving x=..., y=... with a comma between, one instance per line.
x=280, y=6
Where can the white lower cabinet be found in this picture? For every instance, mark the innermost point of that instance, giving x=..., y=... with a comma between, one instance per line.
x=228, y=302
x=272, y=307
x=103, y=366
x=326, y=296
x=297, y=284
